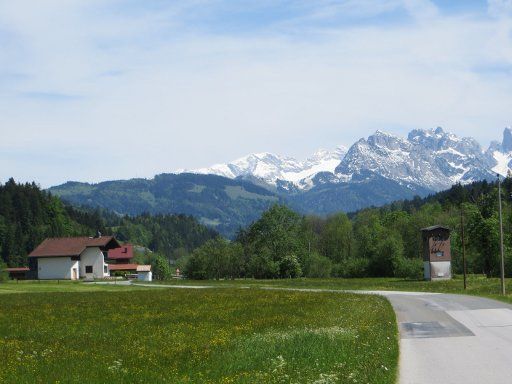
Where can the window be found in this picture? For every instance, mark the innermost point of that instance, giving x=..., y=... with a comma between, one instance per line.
x=105, y=268
x=440, y=253
x=88, y=269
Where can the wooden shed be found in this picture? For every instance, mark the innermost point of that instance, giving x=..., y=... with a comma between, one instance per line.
x=437, y=258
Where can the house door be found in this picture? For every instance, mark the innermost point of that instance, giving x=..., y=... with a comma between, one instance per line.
x=75, y=274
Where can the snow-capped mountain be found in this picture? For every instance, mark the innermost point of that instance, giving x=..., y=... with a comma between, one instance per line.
x=275, y=169
x=432, y=159
x=375, y=171
x=427, y=159
x=501, y=153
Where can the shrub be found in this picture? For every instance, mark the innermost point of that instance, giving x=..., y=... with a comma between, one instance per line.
x=119, y=273
x=408, y=268
x=182, y=263
x=261, y=265
x=196, y=267
x=161, y=268
x=388, y=249
x=3, y=275
x=318, y=266
x=216, y=259
x=290, y=267
x=353, y=267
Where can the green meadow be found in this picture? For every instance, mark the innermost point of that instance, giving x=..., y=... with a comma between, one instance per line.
x=72, y=332
x=478, y=285
x=238, y=331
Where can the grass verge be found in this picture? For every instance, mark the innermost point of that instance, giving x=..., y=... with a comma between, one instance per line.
x=477, y=285
x=42, y=286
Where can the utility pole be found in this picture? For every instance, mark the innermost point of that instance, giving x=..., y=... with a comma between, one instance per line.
x=501, y=239
x=463, y=245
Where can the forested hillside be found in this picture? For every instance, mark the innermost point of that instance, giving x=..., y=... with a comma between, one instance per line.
x=221, y=203
x=382, y=241
x=28, y=215
x=230, y=204
x=170, y=235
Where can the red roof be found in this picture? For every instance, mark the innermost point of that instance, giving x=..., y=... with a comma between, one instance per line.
x=123, y=252
x=72, y=246
x=122, y=267
x=18, y=269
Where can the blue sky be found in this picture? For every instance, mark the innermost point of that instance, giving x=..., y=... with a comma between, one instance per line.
x=93, y=90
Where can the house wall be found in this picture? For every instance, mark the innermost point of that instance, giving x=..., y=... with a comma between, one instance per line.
x=55, y=268
x=441, y=270
x=440, y=246
x=93, y=256
x=145, y=276
x=435, y=241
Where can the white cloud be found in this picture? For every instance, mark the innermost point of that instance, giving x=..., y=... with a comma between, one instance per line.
x=133, y=92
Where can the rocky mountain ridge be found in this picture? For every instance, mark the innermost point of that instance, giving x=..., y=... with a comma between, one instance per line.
x=375, y=171
x=431, y=159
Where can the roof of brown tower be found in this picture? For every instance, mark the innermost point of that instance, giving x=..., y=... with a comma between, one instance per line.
x=431, y=228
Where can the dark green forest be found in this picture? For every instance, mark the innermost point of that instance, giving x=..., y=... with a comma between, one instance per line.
x=383, y=241
x=28, y=215
x=222, y=203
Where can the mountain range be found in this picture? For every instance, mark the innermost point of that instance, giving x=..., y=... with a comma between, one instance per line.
x=431, y=159
x=373, y=171
x=278, y=170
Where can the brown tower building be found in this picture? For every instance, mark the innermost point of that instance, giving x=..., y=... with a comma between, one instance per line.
x=437, y=258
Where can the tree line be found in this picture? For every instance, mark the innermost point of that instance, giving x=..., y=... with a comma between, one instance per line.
x=28, y=215
x=383, y=241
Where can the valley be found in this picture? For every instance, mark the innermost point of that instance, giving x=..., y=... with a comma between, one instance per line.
x=373, y=172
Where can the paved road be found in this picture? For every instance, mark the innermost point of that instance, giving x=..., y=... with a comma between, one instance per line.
x=452, y=339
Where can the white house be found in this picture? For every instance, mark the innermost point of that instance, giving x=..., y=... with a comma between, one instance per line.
x=144, y=273
x=71, y=258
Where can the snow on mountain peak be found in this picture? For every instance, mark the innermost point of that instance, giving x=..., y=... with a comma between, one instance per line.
x=501, y=153
x=272, y=168
x=431, y=158
x=428, y=158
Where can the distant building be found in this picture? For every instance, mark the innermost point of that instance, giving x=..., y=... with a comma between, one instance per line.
x=144, y=273
x=121, y=259
x=127, y=267
x=121, y=255
x=71, y=258
x=437, y=259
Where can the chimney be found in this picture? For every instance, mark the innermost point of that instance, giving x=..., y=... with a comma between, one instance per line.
x=98, y=235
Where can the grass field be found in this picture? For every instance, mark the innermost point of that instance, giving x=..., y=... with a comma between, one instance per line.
x=99, y=334
x=236, y=332
x=41, y=286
